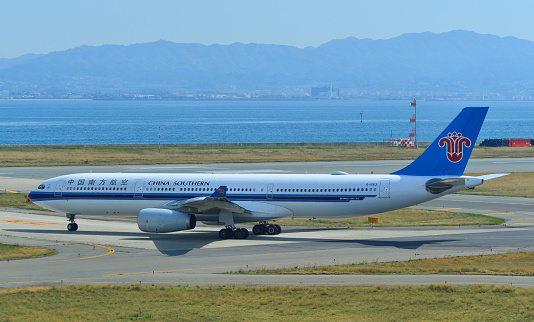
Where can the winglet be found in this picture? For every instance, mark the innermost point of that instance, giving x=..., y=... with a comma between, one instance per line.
x=220, y=192
x=450, y=151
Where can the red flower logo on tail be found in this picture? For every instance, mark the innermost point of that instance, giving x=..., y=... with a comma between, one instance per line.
x=455, y=146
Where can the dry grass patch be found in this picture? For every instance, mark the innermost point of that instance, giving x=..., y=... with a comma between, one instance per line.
x=13, y=252
x=514, y=264
x=503, y=152
x=255, y=303
x=401, y=217
x=517, y=184
x=111, y=155
x=18, y=200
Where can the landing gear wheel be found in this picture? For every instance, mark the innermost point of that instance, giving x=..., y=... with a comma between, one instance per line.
x=238, y=234
x=241, y=233
x=259, y=229
x=278, y=228
x=72, y=226
x=225, y=233
x=272, y=230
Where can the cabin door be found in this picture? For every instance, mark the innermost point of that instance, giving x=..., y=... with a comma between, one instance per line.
x=59, y=188
x=270, y=189
x=139, y=185
x=384, y=189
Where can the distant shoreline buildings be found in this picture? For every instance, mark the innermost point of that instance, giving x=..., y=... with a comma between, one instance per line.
x=325, y=92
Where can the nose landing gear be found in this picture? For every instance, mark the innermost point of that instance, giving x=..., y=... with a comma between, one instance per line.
x=72, y=226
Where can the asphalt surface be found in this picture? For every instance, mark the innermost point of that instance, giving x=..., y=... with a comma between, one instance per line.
x=114, y=251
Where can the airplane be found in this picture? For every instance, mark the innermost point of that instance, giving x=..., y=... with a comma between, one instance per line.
x=175, y=202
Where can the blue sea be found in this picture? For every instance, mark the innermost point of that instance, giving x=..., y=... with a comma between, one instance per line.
x=29, y=122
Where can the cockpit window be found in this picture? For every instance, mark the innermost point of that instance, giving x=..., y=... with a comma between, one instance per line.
x=42, y=186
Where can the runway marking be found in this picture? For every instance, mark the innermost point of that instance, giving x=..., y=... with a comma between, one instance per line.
x=448, y=208
x=500, y=213
x=25, y=222
x=11, y=191
x=503, y=203
x=522, y=219
x=110, y=251
x=510, y=162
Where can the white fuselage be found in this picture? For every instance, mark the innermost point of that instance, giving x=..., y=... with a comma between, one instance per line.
x=267, y=196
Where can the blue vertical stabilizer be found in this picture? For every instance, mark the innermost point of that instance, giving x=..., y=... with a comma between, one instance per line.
x=450, y=151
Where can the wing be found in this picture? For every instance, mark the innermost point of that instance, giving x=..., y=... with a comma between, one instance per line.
x=198, y=205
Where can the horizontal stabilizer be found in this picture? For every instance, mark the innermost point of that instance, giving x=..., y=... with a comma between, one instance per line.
x=492, y=176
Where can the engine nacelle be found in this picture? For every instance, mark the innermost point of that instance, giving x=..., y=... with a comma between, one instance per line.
x=156, y=220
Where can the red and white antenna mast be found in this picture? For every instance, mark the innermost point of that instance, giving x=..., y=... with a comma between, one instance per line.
x=413, y=120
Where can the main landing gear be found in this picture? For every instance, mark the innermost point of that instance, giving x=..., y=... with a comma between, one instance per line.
x=237, y=233
x=230, y=231
x=265, y=228
x=72, y=226
x=242, y=233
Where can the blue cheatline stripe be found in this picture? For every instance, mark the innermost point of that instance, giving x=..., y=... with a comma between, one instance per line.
x=47, y=196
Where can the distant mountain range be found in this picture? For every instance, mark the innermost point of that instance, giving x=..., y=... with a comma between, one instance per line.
x=453, y=62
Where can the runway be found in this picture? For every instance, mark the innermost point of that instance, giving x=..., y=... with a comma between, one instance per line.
x=114, y=251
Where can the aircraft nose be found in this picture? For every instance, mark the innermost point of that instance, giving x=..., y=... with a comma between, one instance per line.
x=31, y=195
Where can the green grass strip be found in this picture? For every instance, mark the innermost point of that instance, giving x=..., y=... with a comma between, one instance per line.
x=258, y=303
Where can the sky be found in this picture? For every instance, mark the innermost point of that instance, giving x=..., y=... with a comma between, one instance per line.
x=39, y=26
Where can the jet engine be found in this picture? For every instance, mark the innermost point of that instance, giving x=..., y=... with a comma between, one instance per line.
x=157, y=220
